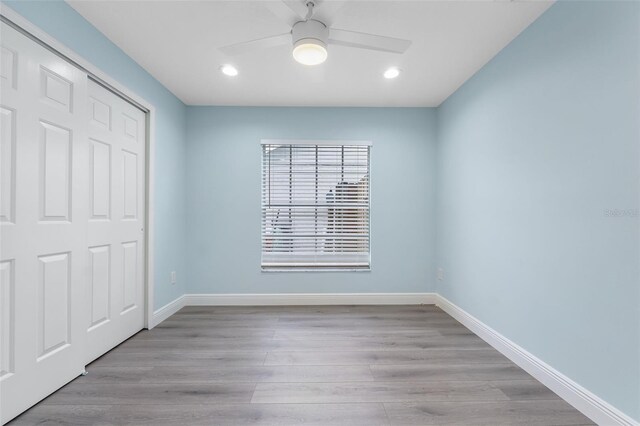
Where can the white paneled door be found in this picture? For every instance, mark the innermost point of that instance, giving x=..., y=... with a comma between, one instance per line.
x=72, y=209
x=116, y=220
x=43, y=253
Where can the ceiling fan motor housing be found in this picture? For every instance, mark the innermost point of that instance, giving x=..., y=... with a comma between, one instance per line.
x=310, y=31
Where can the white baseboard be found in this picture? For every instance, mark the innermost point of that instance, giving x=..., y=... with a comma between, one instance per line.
x=583, y=400
x=292, y=299
x=167, y=310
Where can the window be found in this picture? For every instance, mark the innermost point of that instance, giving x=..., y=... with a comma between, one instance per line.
x=315, y=205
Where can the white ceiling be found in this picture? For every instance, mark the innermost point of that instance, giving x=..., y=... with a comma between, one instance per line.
x=177, y=42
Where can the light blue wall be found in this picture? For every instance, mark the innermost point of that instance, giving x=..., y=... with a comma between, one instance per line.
x=224, y=175
x=67, y=26
x=532, y=152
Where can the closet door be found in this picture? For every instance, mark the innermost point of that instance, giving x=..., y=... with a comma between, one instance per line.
x=43, y=221
x=116, y=141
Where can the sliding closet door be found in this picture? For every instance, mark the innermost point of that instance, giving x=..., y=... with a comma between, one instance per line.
x=43, y=211
x=116, y=220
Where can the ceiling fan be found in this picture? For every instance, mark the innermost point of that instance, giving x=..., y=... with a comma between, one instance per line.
x=311, y=32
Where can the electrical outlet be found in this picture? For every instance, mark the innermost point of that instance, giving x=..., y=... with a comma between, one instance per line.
x=173, y=278
x=440, y=274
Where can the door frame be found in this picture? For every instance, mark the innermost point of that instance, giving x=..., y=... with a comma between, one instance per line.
x=11, y=17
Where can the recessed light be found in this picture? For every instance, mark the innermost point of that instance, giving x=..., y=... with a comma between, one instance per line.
x=229, y=70
x=392, y=73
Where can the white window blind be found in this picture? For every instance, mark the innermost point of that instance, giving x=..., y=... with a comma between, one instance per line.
x=315, y=205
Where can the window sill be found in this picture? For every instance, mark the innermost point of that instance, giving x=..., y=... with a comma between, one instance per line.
x=270, y=270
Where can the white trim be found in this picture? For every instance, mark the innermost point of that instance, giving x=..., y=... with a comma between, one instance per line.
x=46, y=39
x=150, y=211
x=290, y=299
x=271, y=269
x=580, y=398
x=293, y=299
x=167, y=310
x=313, y=142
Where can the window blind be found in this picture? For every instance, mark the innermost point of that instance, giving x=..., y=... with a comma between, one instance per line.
x=315, y=205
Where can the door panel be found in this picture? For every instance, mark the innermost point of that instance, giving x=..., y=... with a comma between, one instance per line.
x=116, y=221
x=53, y=313
x=7, y=164
x=7, y=291
x=100, y=285
x=100, y=180
x=55, y=176
x=43, y=226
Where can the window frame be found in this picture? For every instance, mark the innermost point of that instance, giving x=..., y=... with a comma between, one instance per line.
x=318, y=142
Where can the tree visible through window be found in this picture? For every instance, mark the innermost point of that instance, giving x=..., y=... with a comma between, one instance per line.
x=315, y=205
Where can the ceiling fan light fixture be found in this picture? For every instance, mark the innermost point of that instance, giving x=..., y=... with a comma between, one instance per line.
x=229, y=70
x=308, y=51
x=392, y=72
x=310, y=40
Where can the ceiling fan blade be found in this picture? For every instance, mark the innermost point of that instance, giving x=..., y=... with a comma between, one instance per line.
x=290, y=11
x=261, y=43
x=327, y=10
x=368, y=41
x=299, y=7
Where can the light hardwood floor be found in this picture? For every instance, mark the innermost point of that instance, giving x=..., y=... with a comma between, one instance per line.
x=311, y=365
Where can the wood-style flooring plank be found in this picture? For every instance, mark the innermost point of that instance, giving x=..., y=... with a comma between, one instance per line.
x=531, y=413
x=228, y=374
x=430, y=356
x=175, y=357
x=521, y=390
x=238, y=344
x=346, y=332
x=213, y=333
x=228, y=323
x=210, y=414
x=362, y=333
x=155, y=394
x=322, y=393
x=429, y=372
